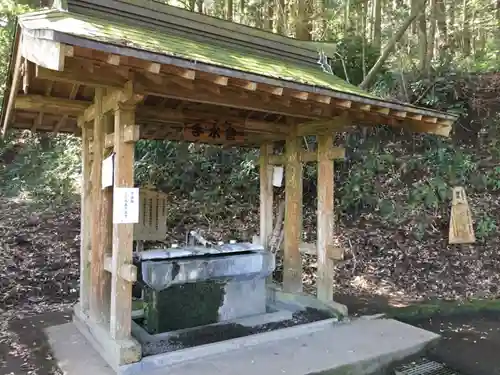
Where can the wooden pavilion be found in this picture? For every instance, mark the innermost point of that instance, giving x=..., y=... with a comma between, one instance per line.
x=116, y=71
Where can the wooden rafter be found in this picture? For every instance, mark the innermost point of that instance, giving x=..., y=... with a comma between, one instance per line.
x=186, y=85
x=60, y=124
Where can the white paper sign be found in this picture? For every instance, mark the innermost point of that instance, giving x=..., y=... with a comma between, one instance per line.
x=107, y=171
x=125, y=205
x=277, y=176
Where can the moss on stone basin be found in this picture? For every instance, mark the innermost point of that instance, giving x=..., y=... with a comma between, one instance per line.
x=182, y=306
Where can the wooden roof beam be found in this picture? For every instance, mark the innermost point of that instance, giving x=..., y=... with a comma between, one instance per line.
x=40, y=103
x=273, y=90
x=181, y=72
x=60, y=124
x=127, y=94
x=148, y=113
x=322, y=99
x=245, y=85
x=300, y=95
x=114, y=60
x=335, y=153
x=229, y=100
x=324, y=126
x=104, y=78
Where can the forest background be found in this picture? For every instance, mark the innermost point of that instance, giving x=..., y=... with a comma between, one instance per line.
x=392, y=191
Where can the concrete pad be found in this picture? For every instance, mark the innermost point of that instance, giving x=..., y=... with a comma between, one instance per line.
x=361, y=347
x=74, y=354
x=116, y=353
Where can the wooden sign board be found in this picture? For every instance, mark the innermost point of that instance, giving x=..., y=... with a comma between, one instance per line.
x=461, y=228
x=152, y=224
x=213, y=132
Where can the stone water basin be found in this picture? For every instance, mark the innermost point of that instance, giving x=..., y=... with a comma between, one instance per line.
x=196, y=286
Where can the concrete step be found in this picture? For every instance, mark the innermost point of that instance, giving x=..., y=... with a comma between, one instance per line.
x=355, y=348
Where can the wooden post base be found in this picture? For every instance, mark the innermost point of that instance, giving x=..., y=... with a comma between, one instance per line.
x=116, y=353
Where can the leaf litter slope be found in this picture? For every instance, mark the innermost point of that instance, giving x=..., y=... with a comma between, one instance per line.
x=39, y=270
x=40, y=264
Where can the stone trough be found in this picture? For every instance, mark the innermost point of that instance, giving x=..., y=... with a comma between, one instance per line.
x=197, y=295
x=196, y=286
x=211, y=310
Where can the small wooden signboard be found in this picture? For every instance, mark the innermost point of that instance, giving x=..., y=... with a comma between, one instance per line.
x=152, y=224
x=213, y=132
x=461, y=229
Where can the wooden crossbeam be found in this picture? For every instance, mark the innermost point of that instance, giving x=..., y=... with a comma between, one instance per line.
x=230, y=100
x=127, y=272
x=60, y=124
x=101, y=77
x=47, y=104
x=72, y=107
x=324, y=126
x=125, y=95
x=309, y=156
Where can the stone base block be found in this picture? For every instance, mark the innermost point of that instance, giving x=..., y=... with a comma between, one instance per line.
x=115, y=353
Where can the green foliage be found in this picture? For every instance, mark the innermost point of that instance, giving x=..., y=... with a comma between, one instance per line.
x=9, y=9
x=46, y=168
x=353, y=59
x=222, y=179
x=485, y=226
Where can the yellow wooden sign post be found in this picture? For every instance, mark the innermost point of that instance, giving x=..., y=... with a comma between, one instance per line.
x=461, y=229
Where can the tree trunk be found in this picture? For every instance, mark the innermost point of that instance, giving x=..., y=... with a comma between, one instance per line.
x=466, y=37
x=422, y=42
x=242, y=11
x=452, y=34
x=377, y=24
x=347, y=17
x=303, y=25
x=413, y=6
x=270, y=15
x=320, y=23
x=431, y=41
x=370, y=77
x=229, y=10
x=200, y=5
x=441, y=24
x=281, y=19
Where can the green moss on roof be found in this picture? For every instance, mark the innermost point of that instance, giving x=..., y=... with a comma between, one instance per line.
x=150, y=40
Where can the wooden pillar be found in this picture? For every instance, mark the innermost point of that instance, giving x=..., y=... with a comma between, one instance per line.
x=121, y=293
x=107, y=220
x=266, y=195
x=85, y=221
x=325, y=217
x=292, y=262
x=98, y=275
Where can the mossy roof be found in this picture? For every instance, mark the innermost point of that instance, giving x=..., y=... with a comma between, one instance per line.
x=152, y=41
